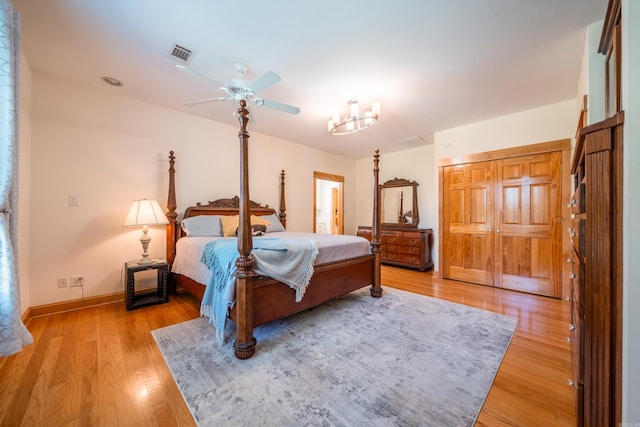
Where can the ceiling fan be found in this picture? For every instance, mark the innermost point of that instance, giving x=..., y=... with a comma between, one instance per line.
x=238, y=89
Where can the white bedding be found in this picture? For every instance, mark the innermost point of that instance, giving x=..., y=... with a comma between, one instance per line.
x=331, y=248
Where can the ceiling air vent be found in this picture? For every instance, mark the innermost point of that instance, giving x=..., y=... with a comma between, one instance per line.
x=180, y=53
x=415, y=141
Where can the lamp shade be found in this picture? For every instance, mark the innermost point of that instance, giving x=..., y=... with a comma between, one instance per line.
x=145, y=212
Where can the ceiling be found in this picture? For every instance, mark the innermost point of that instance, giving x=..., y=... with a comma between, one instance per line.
x=432, y=64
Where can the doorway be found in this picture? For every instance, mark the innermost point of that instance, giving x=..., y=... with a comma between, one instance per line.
x=328, y=203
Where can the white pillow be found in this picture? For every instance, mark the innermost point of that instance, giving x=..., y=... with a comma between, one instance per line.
x=202, y=226
x=274, y=223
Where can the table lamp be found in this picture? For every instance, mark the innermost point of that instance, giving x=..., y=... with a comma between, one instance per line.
x=145, y=212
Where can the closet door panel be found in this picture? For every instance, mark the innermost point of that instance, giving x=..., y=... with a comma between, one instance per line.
x=467, y=234
x=527, y=265
x=528, y=226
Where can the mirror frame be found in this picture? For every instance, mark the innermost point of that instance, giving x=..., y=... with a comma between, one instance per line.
x=400, y=182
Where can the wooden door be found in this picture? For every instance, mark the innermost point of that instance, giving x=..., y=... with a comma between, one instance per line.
x=336, y=209
x=502, y=223
x=528, y=226
x=468, y=222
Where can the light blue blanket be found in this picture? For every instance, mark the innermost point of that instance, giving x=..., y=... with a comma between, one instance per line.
x=288, y=261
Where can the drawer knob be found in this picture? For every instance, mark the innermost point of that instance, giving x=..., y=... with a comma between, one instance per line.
x=570, y=260
x=572, y=232
x=569, y=339
x=572, y=203
x=568, y=298
x=572, y=383
x=572, y=276
x=572, y=327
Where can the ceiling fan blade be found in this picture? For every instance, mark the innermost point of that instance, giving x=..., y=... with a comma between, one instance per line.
x=264, y=81
x=280, y=106
x=197, y=74
x=202, y=101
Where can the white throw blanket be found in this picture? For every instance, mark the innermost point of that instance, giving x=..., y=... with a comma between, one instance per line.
x=288, y=261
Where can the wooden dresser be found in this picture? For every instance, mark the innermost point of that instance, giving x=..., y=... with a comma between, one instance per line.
x=596, y=257
x=596, y=276
x=404, y=246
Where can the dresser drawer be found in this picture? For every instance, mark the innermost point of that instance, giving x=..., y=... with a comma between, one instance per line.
x=576, y=232
x=576, y=203
x=402, y=241
x=411, y=250
x=576, y=334
x=402, y=258
x=577, y=282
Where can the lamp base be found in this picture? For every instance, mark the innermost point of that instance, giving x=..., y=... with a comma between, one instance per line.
x=145, y=239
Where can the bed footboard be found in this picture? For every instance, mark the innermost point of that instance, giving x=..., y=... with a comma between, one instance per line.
x=261, y=300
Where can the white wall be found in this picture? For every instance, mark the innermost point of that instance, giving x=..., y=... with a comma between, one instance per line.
x=24, y=183
x=109, y=150
x=415, y=164
x=548, y=123
x=631, y=227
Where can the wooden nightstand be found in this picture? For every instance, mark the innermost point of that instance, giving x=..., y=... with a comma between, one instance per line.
x=157, y=296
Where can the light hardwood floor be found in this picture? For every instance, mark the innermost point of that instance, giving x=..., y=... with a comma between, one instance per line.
x=100, y=366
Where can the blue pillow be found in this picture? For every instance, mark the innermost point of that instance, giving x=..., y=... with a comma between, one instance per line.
x=274, y=223
x=202, y=226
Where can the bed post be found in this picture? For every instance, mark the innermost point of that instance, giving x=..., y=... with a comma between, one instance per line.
x=283, y=207
x=245, y=344
x=376, y=286
x=172, y=215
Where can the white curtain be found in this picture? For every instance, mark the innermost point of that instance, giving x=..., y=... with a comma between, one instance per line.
x=13, y=334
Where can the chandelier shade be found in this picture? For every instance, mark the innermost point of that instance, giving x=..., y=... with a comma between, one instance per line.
x=353, y=121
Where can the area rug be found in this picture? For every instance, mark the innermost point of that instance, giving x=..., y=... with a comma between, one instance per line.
x=403, y=359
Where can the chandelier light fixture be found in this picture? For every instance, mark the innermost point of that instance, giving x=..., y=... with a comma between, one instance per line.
x=353, y=121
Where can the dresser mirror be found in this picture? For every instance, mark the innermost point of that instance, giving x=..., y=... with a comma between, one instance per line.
x=399, y=201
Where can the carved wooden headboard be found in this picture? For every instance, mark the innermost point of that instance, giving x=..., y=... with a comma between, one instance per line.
x=216, y=207
x=226, y=207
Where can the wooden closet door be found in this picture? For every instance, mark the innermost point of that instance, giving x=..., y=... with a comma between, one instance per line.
x=468, y=206
x=528, y=224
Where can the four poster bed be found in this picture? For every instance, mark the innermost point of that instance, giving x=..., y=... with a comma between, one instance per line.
x=338, y=268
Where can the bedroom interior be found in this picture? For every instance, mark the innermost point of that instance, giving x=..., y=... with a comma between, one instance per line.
x=104, y=147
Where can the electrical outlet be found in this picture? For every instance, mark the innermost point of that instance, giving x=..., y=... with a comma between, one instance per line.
x=63, y=282
x=76, y=281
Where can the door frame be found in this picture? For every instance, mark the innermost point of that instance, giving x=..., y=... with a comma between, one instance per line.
x=340, y=209
x=563, y=145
